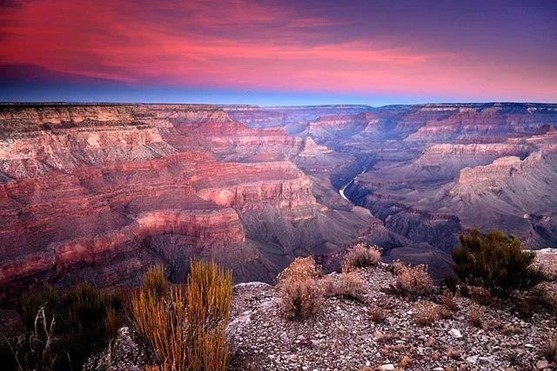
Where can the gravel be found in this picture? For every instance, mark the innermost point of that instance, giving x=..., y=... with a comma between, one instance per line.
x=342, y=337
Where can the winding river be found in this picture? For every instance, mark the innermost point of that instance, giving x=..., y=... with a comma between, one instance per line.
x=341, y=190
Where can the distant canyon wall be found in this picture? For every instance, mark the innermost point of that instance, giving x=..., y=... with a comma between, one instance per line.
x=99, y=192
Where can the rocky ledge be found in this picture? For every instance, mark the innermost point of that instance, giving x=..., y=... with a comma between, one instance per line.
x=343, y=337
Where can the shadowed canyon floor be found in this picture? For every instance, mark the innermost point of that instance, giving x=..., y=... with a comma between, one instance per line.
x=99, y=192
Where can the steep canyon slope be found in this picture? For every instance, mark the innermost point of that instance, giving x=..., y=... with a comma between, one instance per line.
x=98, y=192
x=430, y=171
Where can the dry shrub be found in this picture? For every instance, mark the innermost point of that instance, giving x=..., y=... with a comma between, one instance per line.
x=377, y=314
x=361, y=256
x=111, y=323
x=413, y=281
x=446, y=300
x=397, y=267
x=452, y=353
x=154, y=281
x=549, y=349
x=480, y=295
x=425, y=314
x=405, y=362
x=448, y=306
x=348, y=286
x=383, y=338
x=444, y=312
x=496, y=262
x=299, y=290
x=474, y=316
x=185, y=324
x=300, y=268
x=209, y=293
x=162, y=322
x=547, y=292
x=510, y=330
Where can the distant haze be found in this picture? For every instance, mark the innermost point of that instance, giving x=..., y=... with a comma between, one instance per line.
x=278, y=52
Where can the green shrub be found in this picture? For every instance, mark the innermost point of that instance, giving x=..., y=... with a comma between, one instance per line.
x=496, y=262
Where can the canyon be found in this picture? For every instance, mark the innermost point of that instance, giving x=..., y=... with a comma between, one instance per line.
x=99, y=192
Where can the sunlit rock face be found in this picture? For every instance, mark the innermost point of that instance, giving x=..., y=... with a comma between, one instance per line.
x=100, y=192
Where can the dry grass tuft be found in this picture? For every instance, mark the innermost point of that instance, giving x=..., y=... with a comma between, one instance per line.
x=154, y=280
x=448, y=306
x=185, y=324
x=446, y=299
x=549, y=349
x=452, y=353
x=36, y=349
x=348, y=286
x=480, y=295
x=413, y=281
x=111, y=323
x=361, y=256
x=405, y=362
x=209, y=293
x=425, y=314
x=510, y=330
x=299, y=290
x=475, y=317
x=444, y=312
x=376, y=314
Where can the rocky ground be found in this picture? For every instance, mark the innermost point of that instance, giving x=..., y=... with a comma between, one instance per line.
x=343, y=337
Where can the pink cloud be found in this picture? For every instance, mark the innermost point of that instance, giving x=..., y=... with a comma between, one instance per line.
x=248, y=45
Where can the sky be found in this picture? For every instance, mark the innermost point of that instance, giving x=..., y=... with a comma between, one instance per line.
x=278, y=52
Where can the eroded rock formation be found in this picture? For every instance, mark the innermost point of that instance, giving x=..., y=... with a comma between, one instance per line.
x=99, y=192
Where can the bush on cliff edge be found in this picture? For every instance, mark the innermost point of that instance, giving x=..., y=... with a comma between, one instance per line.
x=496, y=262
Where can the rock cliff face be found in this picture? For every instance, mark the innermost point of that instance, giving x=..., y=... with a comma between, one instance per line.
x=99, y=192
x=414, y=158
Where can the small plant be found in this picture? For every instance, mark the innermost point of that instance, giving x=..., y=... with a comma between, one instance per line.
x=405, y=362
x=425, y=314
x=348, y=286
x=397, y=267
x=549, y=349
x=510, y=330
x=80, y=321
x=445, y=313
x=111, y=323
x=480, y=295
x=413, y=281
x=361, y=256
x=452, y=353
x=447, y=301
x=474, y=316
x=35, y=350
x=496, y=262
x=300, y=293
x=377, y=314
